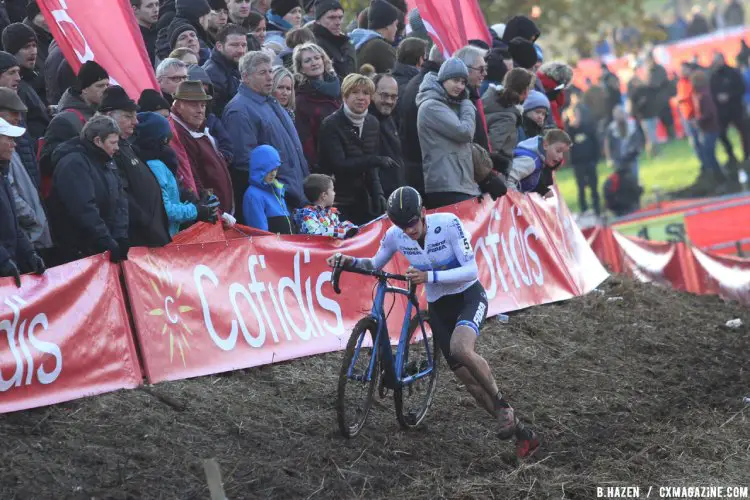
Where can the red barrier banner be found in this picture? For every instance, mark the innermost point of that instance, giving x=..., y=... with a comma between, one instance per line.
x=678, y=265
x=213, y=307
x=65, y=335
x=104, y=31
x=727, y=277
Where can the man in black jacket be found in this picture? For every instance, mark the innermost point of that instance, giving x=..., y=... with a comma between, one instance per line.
x=410, y=56
x=58, y=75
x=20, y=40
x=147, y=14
x=383, y=107
x=329, y=17
x=148, y=224
x=16, y=253
x=35, y=20
x=728, y=90
x=408, y=121
x=223, y=65
x=88, y=209
x=77, y=105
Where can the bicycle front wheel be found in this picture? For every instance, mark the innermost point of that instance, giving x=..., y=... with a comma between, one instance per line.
x=414, y=399
x=357, y=379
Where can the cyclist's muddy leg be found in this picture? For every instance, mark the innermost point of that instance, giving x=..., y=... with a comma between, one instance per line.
x=483, y=399
x=462, y=349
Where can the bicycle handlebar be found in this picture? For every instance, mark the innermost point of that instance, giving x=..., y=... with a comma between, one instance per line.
x=338, y=268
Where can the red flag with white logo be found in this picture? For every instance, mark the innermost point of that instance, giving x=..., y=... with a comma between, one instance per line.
x=104, y=31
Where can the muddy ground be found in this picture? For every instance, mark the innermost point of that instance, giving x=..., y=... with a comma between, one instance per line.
x=641, y=391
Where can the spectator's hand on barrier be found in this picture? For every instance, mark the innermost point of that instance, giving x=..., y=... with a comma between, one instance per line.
x=10, y=269
x=416, y=276
x=207, y=213
x=351, y=233
x=494, y=186
x=36, y=263
x=120, y=252
x=228, y=220
x=346, y=260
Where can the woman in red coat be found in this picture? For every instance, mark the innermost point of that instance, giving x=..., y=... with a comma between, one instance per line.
x=318, y=95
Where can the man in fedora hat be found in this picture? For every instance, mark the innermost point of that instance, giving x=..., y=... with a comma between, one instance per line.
x=208, y=165
x=148, y=223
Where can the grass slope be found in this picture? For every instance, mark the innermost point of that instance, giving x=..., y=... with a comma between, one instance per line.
x=676, y=167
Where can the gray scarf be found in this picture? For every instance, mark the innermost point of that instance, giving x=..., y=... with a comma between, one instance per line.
x=356, y=119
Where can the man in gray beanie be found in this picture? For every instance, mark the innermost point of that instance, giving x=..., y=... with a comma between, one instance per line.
x=374, y=45
x=329, y=18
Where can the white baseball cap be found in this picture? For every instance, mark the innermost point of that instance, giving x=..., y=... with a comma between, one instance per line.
x=10, y=130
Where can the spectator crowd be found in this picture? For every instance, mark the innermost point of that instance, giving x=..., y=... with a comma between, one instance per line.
x=274, y=114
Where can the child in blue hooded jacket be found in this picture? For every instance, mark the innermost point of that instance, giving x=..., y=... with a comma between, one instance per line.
x=263, y=205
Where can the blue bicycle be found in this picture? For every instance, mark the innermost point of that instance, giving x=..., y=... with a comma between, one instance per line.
x=412, y=374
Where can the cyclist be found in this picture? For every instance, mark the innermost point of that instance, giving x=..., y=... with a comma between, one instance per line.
x=441, y=256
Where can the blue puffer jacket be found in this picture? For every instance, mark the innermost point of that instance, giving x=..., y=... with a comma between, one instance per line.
x=527, y=152
x=178, y=212
x=264, y=206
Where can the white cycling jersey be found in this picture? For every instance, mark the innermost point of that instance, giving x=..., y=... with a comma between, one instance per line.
x=447, y=255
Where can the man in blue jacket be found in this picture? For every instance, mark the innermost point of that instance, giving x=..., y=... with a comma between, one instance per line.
x=253, y=118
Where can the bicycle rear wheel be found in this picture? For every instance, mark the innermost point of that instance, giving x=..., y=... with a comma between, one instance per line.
x=413, y=400
x=356, y=387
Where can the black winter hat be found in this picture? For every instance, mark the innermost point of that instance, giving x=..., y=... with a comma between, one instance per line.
x=284, y=7
x=177, y=29
x=218, y=4
x=152, y=100
x=32, y=10
x=7, y=61
x=381, y=15
x=323, y=6
x=90, y=73
x=520, y=26
x=115, y=98
x=192, y=9
x=16, y=36
x=496, y=68
x=523, y=53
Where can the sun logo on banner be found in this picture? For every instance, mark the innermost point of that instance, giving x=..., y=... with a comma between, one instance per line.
x=171, y=310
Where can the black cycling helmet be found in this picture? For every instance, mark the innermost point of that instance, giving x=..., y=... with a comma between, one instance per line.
x=404, y=206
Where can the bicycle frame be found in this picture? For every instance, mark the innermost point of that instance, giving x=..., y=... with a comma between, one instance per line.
x=382, y=343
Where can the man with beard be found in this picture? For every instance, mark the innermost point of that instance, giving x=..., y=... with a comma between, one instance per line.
x=20, y=40
x=383, y=104
x=223, y=65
